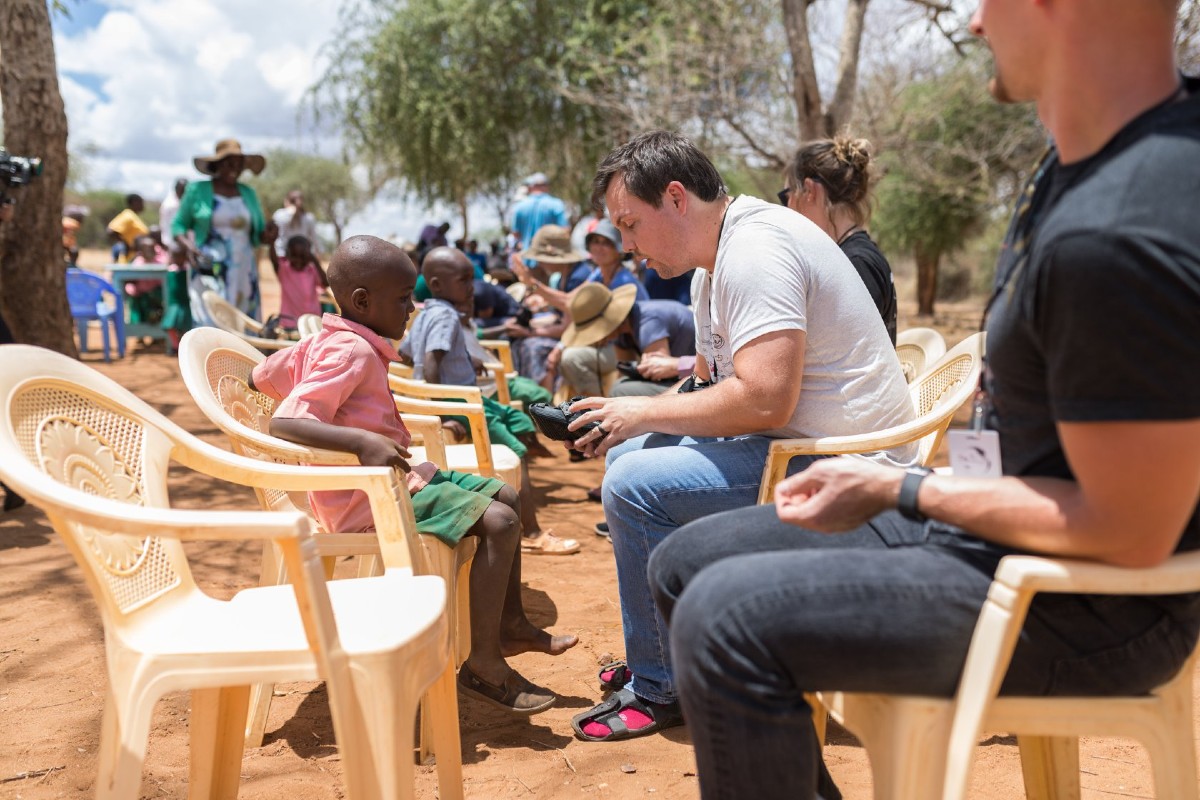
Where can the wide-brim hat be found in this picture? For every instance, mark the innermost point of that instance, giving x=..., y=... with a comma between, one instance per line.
x=596, y=312
x=229, y=147
x=552, y=245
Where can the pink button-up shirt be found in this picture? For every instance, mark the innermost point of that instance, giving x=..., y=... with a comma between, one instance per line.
x=340, y=377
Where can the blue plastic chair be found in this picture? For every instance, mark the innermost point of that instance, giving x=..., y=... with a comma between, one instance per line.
x=85, y=293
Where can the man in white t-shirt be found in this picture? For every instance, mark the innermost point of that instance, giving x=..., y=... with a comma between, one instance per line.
x=294, y=220
x=792, y=342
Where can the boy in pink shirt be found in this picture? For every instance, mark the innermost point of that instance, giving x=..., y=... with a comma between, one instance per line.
x=334, y=394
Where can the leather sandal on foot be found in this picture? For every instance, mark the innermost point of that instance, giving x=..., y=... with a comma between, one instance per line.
x=548, y=545
x=622, y=709
x=614, y=675
x=516, y=695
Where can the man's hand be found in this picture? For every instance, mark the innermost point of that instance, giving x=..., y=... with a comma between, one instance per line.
x=620, y=419
x=516, y=331
x=377, y=450
x=554, y=359
x=658, y=367
x=517, y=265
x=837, y=494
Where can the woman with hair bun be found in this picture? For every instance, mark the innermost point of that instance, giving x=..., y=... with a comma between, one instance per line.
x=829, y=181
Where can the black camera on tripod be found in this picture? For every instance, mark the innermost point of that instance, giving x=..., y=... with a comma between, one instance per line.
x=17, y=170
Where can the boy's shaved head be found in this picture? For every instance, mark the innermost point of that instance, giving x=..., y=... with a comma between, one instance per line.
x=445, y=262
x=366, y=262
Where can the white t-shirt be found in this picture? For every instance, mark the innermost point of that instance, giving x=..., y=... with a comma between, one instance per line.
x=776, y=270
x=292, y=224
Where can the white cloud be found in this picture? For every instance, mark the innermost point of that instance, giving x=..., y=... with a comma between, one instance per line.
x=156, y=82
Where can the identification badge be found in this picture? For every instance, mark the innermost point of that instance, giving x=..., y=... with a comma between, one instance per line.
x=975, y=454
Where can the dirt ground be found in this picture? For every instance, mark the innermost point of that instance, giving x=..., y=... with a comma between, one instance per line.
x=52, y=671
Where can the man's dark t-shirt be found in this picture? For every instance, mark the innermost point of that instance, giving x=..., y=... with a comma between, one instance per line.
x=876, y=273
x=1097, y=314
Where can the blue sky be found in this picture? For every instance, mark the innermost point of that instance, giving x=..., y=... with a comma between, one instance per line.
x=149, y=84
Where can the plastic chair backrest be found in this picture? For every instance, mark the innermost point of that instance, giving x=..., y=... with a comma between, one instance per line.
x=85, y=432
x=947, y=384
x=918, y=349
x=308, y=324
x=85, y=293
x=216, y=367
x=225, y=314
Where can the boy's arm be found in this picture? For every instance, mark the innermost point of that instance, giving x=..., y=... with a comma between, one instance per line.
x=321, y=273
x=372, y=449
x=433, y=365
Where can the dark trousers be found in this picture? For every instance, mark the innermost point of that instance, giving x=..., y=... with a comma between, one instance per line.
x=761, y=612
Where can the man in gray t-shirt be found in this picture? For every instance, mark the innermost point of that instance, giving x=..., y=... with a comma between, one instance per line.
x=789, y=337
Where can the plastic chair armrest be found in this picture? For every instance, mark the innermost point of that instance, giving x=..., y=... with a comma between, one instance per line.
x=431, y=391
x=1178, y=575
x=860, y=443
x=430, y=430
x=502, y=349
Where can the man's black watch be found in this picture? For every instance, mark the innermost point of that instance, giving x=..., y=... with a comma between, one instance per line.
x=907, y=502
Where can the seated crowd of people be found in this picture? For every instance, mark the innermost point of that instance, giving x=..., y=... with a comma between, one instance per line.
x=692, y=328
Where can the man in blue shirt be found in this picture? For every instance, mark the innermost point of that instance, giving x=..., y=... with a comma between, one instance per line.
x=537, y=209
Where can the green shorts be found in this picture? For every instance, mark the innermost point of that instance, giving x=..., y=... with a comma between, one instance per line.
x=452, y=503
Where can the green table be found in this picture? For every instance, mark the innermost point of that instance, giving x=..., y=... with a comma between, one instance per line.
x=121, y=274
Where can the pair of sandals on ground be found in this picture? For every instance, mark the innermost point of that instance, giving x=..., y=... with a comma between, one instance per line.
x=622, y=714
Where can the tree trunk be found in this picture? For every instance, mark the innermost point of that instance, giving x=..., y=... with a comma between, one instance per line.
x=805, y=91
x=927, y=274
x=846, y=89
x=462, y=209
x=33, y=294
x=816, y=120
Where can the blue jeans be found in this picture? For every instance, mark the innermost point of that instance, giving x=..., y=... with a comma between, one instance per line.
x=761, y=612
x=653, y=485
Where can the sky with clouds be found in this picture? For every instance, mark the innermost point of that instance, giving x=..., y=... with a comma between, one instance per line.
x=149, y=84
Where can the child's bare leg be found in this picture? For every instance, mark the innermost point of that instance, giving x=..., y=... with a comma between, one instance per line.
x=499, y=533
x=525, y=505
x=517, y=633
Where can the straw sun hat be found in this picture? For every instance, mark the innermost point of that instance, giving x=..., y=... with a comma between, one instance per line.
x=552, y=245
x=225, y=148
x=597, y=312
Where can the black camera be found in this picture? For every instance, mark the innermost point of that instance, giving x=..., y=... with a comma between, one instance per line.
x=18, y=170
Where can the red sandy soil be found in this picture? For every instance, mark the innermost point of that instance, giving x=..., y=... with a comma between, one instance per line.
x=52, y=672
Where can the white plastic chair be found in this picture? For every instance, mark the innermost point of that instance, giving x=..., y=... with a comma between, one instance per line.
x=308, y=324
x=216, y=368
x=906, y=737
x=95, y=458
x=918, y=349
x=228, y=317
x=480, y=457
x=936, y=396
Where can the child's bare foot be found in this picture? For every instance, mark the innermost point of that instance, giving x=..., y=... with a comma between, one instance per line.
x=527, y=638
